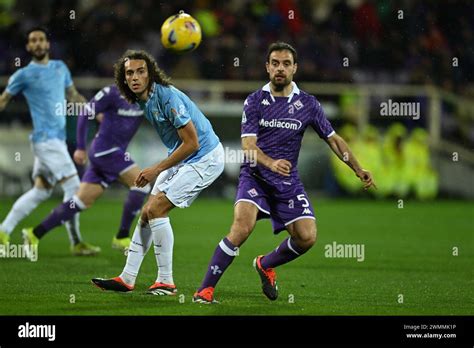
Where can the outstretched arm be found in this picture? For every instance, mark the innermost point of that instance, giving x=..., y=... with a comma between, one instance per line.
x=4, y=99
x=342, y=150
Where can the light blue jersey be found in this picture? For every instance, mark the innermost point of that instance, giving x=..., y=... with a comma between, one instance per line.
x=43, y=86
x=168, y=109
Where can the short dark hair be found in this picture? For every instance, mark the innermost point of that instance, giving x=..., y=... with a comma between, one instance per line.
x=280, y=46
x=154, y=72
x=39, y=28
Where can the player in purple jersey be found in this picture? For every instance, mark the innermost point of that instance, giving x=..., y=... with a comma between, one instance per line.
x=273, y=123
x=109, y=162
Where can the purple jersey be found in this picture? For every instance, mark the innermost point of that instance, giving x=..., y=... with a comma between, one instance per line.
x=120, y=123
x=279, y=124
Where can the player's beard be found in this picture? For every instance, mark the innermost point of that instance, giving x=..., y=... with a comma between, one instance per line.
x=40, y=54
x=279, y=86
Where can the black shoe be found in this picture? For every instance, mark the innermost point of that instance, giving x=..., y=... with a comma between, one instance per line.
x=114, y=284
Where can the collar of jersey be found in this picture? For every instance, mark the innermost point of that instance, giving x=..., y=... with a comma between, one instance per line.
x=295, y=90
x=32, y=62
x=152, y=92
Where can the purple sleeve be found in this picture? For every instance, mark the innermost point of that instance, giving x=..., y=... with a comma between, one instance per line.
x=320, y=123
x=98, y=104
x=249, y=126
x=81, y=132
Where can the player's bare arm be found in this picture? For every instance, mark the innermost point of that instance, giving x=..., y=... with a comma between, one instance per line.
x=339, y=146
x=74, y=96
x=189, y=145
x=280, y=166
x=4, y=99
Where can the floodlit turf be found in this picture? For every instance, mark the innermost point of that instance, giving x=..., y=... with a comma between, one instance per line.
x=408, y=252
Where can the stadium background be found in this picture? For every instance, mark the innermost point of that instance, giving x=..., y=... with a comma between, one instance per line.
x=353, y=55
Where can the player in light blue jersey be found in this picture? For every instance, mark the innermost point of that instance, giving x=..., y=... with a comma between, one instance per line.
x=195, y=159
x=46, y=84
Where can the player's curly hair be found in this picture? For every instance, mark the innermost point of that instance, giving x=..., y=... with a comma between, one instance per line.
x=154, y=72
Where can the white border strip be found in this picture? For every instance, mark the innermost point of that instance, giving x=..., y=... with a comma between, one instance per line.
x=128, y=168
x=289, y=246
x=250, y=201
x=248, y=135
x=299, y=218
x=106, y=152
x=226, y=249
x=331, y=134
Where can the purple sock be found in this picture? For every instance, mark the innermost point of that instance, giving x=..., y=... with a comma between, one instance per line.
x=287, y=251
x=62, y=213
x=222, y=258
x=131, y=208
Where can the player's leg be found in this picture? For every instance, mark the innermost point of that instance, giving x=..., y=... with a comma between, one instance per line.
x=295, y=214
x=155, y=209
x=132, y=206
x=67, y=211
x=245, y=217
x=23, y=206
x=303, y=237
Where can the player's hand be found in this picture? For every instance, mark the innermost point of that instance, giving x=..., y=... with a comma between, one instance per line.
x=281, y=166
x=80, y=157
x=146, y=176
x=366, y=178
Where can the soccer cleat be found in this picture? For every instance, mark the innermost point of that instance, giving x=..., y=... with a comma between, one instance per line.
x=121, y=243
x=113, y=284
x=4, y=238
x=84, y=249
x=268, y=278
x=205, y=296
x=162, y=289
x=29, y=241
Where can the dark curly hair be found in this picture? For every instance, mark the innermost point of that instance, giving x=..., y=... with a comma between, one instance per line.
x=154, y=72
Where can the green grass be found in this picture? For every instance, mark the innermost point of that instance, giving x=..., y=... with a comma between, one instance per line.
x=407, y=251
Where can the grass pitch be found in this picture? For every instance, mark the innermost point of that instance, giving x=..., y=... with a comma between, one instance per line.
x=408, y=252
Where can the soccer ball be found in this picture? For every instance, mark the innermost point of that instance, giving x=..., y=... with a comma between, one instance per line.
x=181, y=33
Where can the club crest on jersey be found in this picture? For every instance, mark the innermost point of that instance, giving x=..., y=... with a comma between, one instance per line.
x=298, y=104
x=252, y=192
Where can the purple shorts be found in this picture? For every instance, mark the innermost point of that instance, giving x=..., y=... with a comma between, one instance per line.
x=105, y=168
x=283, y=208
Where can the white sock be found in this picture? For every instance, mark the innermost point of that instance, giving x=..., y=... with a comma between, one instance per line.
x=23, y=207
x=139, y=246
x=163, y=239
x=70, y=187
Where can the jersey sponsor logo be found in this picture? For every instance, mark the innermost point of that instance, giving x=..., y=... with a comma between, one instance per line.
x=252, y=192
x=283, y=123
x=130, y=112
x=307, y=211
x=265, y=102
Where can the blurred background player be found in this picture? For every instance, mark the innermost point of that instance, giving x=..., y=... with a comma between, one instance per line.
x=46, y=83
x=195, y=160
x=273, y=124
x=109, y=161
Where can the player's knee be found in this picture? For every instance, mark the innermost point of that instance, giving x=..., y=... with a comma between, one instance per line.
x=240, y=231
x=307, y=238
x=158, y=208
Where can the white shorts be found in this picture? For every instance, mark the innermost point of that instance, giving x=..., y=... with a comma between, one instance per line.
x=183, y=183
x=52, y=161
